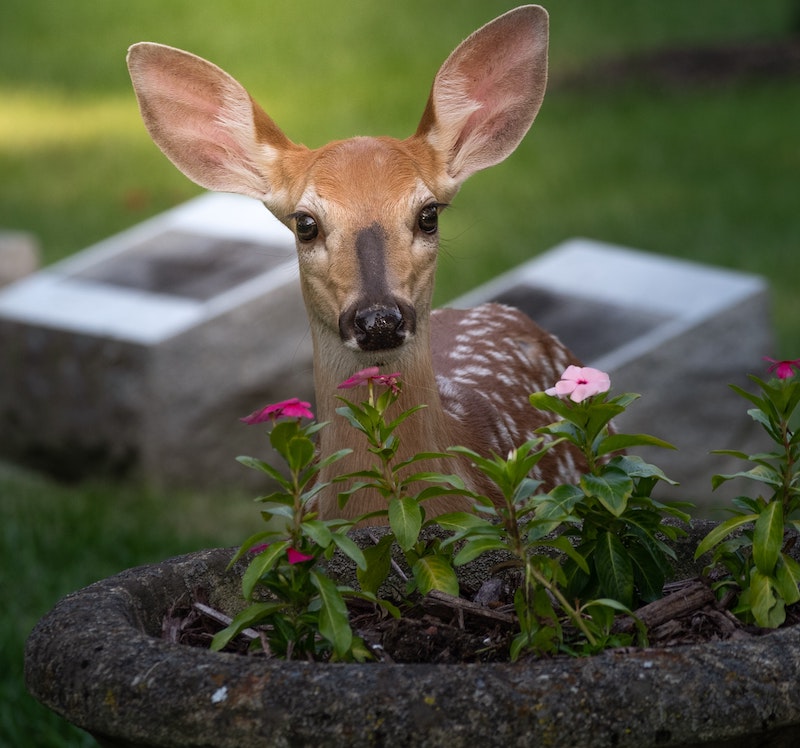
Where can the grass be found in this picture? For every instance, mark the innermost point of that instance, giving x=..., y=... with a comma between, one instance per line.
x=706, y=173
x=56, y=538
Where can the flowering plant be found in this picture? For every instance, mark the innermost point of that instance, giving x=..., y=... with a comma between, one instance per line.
x=586, y=551
x=617, y=556
x=301, y=609
x=761, y=571
x=619, y=523
x=404, y=488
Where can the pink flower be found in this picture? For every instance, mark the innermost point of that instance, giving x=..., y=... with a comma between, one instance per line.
x=783, y=369
x=580, y=382
x=296, y=557
x=372, y=374
x=292, y=408
x=360, y=377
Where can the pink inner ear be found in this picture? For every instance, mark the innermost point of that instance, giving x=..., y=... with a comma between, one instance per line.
x=498, y=80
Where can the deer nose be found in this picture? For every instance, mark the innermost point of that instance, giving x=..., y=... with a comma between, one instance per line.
x=379, y=328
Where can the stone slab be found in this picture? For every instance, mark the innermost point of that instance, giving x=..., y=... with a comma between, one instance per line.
x=140, y=354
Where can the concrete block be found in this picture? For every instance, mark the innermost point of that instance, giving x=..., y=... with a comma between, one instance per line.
x=19, y=256
x=676, y=332
x=139, y=355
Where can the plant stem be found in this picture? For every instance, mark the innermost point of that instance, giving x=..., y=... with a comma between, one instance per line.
x=788, y=466
x=562, y=601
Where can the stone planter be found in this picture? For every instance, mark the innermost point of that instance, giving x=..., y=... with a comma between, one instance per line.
x=97, y=660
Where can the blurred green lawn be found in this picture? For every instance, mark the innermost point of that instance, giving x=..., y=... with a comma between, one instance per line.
x=706, y=172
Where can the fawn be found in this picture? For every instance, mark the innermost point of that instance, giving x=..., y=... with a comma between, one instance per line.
x=364, y=212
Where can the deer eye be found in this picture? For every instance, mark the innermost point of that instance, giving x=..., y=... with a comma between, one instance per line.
x=428, y=220
x=306, y=227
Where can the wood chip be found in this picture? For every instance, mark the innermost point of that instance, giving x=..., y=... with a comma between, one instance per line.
x=443, y=606
x=689, y=598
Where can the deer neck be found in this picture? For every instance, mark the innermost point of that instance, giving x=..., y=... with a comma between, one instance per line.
x=429, y=429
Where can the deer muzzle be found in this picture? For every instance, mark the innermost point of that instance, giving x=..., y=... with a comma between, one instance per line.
x=378, y=326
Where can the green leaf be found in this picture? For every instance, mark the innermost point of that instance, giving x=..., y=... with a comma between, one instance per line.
x=731, y=453
x=250, y=616
x=648, y=573
x=460, y=522
x=787, y=579
x=347, y=546
x=636, y=467
x=562, y=544
x=760, y=473
x=334, y=622
x=264, y=467
x=552, y=404
x=276, y=510
x=600, y=415
x=768, y=611
x=564, y=430
x=474, y=548
x=612, y=488
x=266, y=536
x=405, y=519
x=614, y=569
x=282, y=433
x=617, y=442
x=434, y=572
x=768, y=538
x=755, y=399
x=317, y=531
x=334, y=457
x=560, y=501
x=379, y=561
x=403, y=416
x=722, y=531
x=300, y=452
x=260, y=565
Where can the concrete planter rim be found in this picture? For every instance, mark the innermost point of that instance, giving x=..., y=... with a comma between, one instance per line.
x=96, y=659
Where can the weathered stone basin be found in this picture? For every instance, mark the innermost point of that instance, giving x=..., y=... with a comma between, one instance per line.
x=97, y=660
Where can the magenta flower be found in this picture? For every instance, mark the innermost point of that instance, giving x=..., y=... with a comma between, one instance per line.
x=372, y=374
x=580, y=382
x=360, y=377
x=296, y=557
x=783, y=369
x=292, y=408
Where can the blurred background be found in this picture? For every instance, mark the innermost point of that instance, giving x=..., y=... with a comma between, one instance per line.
x=668, y=127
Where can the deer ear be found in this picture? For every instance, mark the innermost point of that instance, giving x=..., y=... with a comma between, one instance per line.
x=205, y=122
x=488, y=92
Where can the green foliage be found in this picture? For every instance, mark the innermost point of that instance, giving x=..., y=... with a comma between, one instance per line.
x=404, y=488
x=302, y=611
x=617, y=556
x=753, y=544
x=617, y=525
x=584, y=551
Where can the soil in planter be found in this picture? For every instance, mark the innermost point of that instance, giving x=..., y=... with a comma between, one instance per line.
x=442, y=629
